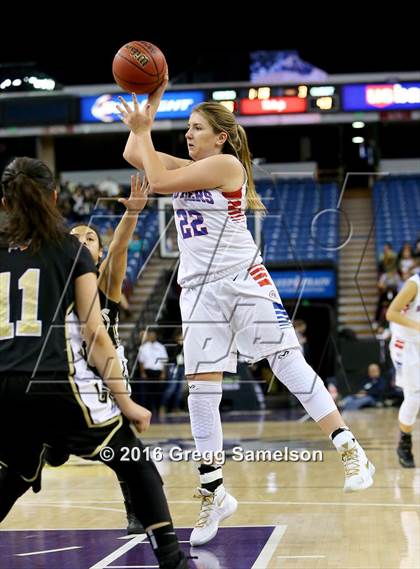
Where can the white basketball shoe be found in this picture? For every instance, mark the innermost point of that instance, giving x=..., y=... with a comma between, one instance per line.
x=358, y=470
x=215, y=507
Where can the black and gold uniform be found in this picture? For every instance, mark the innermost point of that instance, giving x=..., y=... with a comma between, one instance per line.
x=36, y=294
x=43, y=403
x=37, y=363
x=110, y=311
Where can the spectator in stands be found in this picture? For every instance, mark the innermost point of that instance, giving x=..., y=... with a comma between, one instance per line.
x=169, y=243
x=370, y=395
x=107, y=237
x=109, y=188
x=80, y=207
x=136, y=244
x=406, y=261
x=388, y=260
x=175, y=386
x=388, y=285
x=152, y=357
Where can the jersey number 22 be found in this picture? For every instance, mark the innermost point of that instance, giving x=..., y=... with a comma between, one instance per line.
x=191, y=223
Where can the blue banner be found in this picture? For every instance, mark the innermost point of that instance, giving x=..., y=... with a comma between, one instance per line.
x=384, y=97
x=307, y=284
x=175, y=105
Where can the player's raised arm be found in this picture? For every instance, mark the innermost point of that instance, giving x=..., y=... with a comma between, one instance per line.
x=113, y=268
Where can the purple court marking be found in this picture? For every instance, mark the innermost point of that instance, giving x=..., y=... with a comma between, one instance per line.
x=232, y=548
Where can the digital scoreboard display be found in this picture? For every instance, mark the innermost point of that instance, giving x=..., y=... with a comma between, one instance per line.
x=381, y=97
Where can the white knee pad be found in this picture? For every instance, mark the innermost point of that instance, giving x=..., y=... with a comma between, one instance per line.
x=291, y=368
x=206, y=426
x=409, y=407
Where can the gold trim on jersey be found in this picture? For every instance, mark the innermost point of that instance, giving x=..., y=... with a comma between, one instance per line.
x=85, y=409
x=107, y=439
x=39, y=468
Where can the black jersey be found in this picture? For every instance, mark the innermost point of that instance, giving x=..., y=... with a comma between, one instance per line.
x=36, y=294
x=110, y=311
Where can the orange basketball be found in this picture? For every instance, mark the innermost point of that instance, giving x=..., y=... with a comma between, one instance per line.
x=139, y=67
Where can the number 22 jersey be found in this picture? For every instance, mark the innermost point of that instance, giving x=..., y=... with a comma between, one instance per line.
x=213, y=238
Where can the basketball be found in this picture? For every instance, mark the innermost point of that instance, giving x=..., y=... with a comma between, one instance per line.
x=139, y=67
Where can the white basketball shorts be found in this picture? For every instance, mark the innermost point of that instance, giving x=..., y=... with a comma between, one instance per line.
x=242, y=312
x=406, y=359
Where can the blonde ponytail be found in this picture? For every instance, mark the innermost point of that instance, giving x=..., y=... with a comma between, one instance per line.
x=253, y=200
x=222, y=120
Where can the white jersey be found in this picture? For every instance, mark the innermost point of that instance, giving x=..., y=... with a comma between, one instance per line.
x=93, y=394
x=412, y=311
x=213, y=238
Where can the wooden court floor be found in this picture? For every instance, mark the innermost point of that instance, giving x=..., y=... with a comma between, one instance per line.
x=290, y=515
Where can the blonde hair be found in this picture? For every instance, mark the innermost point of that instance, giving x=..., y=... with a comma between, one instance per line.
x=222, y=120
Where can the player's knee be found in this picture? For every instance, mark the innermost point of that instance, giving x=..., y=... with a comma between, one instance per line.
x=315, y=386
x=291, y=368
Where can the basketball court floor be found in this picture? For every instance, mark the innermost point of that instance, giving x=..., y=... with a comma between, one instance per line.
x=290, y=515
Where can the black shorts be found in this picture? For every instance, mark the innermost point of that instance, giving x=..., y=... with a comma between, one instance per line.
x=34, y=414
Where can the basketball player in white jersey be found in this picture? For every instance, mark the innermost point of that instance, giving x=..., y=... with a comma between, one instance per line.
x=228, y=302
x=110, y=273
x=404, y=315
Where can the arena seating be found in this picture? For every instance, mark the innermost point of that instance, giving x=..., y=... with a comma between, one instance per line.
x=302, y=223
x=397, y=210
x=147, y=229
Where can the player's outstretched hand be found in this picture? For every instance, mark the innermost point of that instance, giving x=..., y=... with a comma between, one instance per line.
x=137, y=119
x=140, y=120
x=138, y=195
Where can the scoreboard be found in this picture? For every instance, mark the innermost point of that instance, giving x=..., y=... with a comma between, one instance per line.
x=271, y=100
x=264, y=101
